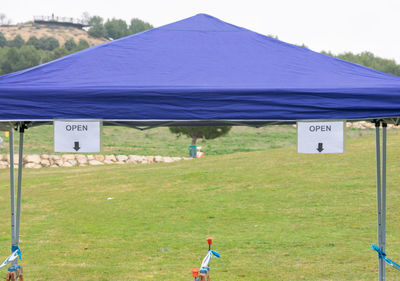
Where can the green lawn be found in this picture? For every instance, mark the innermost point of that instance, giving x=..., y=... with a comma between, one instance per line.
x=274, y=215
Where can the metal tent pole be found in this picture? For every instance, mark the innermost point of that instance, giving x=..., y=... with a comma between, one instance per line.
x=378, y=196
x=19, y=191
x=383, y=218
x=12, y=186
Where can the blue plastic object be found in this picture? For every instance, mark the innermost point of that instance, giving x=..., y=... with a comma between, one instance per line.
x=216, y=254
x=382, y=255
x=15, y=248
x=198, y=69
x=193, y=151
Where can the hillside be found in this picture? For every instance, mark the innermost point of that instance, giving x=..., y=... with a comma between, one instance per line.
x=61, y=33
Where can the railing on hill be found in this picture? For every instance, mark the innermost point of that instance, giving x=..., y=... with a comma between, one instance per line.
x=60, y=21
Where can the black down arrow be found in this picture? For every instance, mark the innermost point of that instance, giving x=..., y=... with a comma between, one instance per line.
x=320, y=147
x=76, y=146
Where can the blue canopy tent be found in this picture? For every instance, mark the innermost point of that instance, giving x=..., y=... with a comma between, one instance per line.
x=201, y=71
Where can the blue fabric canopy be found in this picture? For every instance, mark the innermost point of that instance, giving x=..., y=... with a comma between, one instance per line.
x=198, y=69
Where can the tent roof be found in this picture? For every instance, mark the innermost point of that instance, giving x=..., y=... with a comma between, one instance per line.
x=198, y=69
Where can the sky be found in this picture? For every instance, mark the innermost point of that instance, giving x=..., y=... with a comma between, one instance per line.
x=337, y=26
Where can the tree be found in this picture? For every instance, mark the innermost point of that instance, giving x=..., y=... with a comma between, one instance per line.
x=97, y=28
x=33, y=41
x=116, y=28
x=82, y=44
x=57, y=53
x=4, y=20
x=28, y=57
x=3, y=40
x=70, y=44
x=85, y=17
x=52, y=43
x=7, y=65
x=17, y=42
x=17, y=59
x=42, y=43
x=370, y=60
x=137, y=25
x=200, y=132
x=45, y=43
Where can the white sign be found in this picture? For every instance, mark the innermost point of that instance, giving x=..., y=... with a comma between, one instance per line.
x=320, y=137
x=77, y=136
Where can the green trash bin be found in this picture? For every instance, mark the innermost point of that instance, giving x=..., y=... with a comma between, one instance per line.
x=192, y=151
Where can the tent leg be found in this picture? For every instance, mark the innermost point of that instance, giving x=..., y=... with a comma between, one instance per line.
x=12, y=187
x=378, y=195
x=19, y=190
x=383, y=218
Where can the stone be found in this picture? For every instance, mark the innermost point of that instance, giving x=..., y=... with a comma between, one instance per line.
x=99, y=157
x=73, y=162
x=132, y=159
x=150, y=159
x=95, y=162
x=54, y=166
x=122, y=158
x=82, y=160
x=45, y=163
x=15, y=158
x=66, y=157
x=158, y=159
x=111, y=158
x=31, y=165
x=33, y=158
x=36, y=161
x=168, y=160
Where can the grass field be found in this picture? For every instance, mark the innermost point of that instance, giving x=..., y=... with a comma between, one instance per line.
x=274, y=215
x=159, y=141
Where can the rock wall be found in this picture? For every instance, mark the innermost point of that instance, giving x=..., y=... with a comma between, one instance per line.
x=366, y=125
x=36, y=161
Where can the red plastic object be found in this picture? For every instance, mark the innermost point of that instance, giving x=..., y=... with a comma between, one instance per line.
x=209, y=240
x=195, y=272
